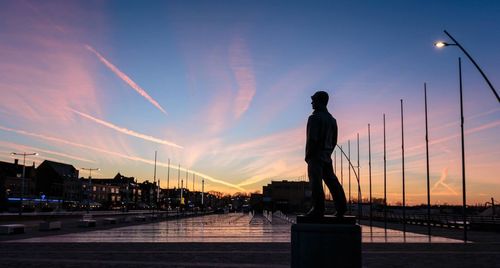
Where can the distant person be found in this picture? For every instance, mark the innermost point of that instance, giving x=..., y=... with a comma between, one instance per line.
x=322, y=135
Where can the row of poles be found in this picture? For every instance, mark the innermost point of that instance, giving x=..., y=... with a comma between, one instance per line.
x=351, y=167
x=357, y=174
x=180, y=182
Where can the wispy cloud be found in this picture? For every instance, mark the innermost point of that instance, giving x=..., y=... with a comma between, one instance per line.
x=129, y=157
x=126, y=131
x=126, y=79
x=241, y=65
x=16, y=146
x=441, y=182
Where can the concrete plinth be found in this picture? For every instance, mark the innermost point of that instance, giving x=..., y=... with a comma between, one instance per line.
x=326, y=242
x=49, y=225
x=12, y=229
x=110, y=220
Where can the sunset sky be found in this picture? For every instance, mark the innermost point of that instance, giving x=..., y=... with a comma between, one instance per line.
x=223, y=89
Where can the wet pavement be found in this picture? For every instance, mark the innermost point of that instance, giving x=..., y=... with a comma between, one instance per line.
x=237, y=240
x=227, y=228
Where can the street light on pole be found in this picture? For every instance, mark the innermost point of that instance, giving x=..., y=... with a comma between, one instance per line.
x=441, y=44
x=24, y=154
x=89, y=185
x=456, y=43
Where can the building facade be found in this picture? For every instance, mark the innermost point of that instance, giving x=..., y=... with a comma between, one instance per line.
x=287, y=196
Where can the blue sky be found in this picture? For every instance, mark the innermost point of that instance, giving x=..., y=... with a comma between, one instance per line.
x=234, y=79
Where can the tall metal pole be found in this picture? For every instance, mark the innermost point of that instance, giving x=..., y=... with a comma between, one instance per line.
x=179, y=177
x=403, y=167
x=359, y=186
x=179, y=185
x=427, y=165
x=168, y=176
x=158, y=195
x=341, y=169
x=464, y=201
x=202, y=193
x=22, y=184
x=334, y=167
x=89, y=186
x=182, y=189
x=193, y=182
x=385, y=182
x=152, y=201
x=187, y=187
x=349, y=156
x=475, y=64
x=370, y=172
x=335, y=161
x=24, y=154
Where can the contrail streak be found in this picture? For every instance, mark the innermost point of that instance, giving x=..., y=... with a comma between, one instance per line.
x=134, y=158
x=30, y=148
x=126, y=78
x=241, y=66
x=441, y=180
x=126, y=131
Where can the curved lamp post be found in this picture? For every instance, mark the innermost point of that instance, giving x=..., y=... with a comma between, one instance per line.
x=22, y=179
x=89, y=185
x=444, y=44
x=441, y=44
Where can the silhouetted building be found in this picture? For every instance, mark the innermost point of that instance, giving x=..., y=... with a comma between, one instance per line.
x=115, y=192
x=149, y=194
x=11, y=183
x=287, y=196
x=58, y=181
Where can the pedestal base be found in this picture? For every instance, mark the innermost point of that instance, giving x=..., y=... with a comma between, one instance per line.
x=326, y=245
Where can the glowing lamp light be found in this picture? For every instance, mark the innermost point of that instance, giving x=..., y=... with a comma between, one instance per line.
x=440, y=44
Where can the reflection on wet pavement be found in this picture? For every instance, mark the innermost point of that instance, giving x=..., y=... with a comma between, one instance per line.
x=234, y=227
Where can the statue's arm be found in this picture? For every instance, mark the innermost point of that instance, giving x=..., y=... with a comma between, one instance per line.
x=312, y=139
x=335, y=134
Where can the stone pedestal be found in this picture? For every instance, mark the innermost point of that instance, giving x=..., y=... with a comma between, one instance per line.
x=49, y=226
x=326, y=242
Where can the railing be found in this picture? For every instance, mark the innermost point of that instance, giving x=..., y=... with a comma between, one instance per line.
x=284, y=217
x=268, y=215
x=454, y=221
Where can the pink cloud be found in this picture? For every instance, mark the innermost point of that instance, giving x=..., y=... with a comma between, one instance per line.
x=241, y=65
x=45, y=152
x=117, y=154
x=43, y=71
x=126, y=79
x=441, y=182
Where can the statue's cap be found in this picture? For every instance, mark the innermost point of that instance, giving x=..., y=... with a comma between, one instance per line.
x=320, y=97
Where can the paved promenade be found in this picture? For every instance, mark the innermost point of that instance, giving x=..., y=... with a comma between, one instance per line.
x=234, y=255
x=234, y=240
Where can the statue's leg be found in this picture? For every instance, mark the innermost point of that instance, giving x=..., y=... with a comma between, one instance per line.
x=333, y=184
x=315, y=173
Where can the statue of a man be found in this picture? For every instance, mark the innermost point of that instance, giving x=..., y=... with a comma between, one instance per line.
x=322, y=135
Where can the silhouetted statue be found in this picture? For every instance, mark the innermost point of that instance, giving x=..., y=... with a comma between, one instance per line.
x=322, y=135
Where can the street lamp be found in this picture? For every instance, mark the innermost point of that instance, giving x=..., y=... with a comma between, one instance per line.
x=441, y=44
x=24, y=154
x=89, y=185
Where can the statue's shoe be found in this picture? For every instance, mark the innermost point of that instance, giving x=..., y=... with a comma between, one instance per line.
x=340, y=213
x=315, y=213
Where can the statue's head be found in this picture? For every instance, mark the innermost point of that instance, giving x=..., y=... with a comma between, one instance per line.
x=319, y=99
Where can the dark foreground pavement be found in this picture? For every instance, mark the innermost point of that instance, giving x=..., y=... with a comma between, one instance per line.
x=235, y=255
